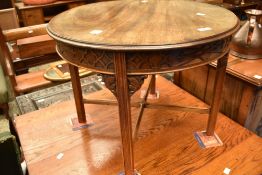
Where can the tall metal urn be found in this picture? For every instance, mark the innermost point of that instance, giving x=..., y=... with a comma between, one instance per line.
x=247, y=42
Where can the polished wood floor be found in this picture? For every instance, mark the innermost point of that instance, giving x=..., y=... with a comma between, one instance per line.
x=165, y=144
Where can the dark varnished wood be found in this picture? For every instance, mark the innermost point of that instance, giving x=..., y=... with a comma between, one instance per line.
x=241, y=100
x=122, y=94
x=144, y=62
x=163, y=146
x=105, y=38
x=33, y=80
x=153, y=85
x=76, y=85
x=154, y=25
x=217, y=91
x=134, y=83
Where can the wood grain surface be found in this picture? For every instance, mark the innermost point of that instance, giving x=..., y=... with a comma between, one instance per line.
x=25, y=32
x=145, y=24
x=34, y=48
x=124, y=108
x=165, y=144
x=78, y=96
x=242, y=89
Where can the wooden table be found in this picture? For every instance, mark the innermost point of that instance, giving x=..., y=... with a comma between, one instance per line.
x=242, y=92
x=34, y=14
x=165, y=143
x=126, y=40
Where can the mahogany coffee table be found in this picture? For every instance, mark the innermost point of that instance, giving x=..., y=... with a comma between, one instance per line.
x=127, y=40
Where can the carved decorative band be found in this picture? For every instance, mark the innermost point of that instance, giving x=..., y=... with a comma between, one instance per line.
x=99, y=60
x=134, y=83
x=145, y=62
x=177, y=59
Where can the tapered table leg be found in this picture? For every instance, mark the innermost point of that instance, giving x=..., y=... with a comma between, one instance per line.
x=217, y=91
x=123, y=98
x=153, y=93
x=76, y=85
x=153, y=85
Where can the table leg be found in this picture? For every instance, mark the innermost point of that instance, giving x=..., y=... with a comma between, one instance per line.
x=123, y=98
x=153, y=85
x=217, y=91
x=77, y=90
x=153, y=93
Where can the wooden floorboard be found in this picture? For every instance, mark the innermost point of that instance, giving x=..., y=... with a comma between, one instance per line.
x=165, y=145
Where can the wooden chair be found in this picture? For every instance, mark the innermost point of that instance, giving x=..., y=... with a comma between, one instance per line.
x=31, y=47
x=8, y=19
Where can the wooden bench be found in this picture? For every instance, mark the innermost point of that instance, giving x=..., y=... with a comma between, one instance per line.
x=165, y=143
x=34, y=14
x=242, y=94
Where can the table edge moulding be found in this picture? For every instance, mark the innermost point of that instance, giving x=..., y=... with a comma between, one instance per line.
x=155, y=39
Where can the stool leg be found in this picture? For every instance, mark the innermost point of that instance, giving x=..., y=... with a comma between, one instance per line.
x=77, y=90
x=217, y=91
x=123, y=98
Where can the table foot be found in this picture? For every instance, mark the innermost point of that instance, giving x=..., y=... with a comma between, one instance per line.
x=135, y=173
x=206, y=141
x=154, y=96
x=76, y=125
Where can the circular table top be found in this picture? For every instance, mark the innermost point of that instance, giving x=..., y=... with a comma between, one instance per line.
x=143, y=24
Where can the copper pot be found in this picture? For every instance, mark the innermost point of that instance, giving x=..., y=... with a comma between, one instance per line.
x=247, y=42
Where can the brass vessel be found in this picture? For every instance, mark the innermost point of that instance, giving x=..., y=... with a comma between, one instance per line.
x=247, y=42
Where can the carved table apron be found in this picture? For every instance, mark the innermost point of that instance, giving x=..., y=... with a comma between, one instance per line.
x=125, y=63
